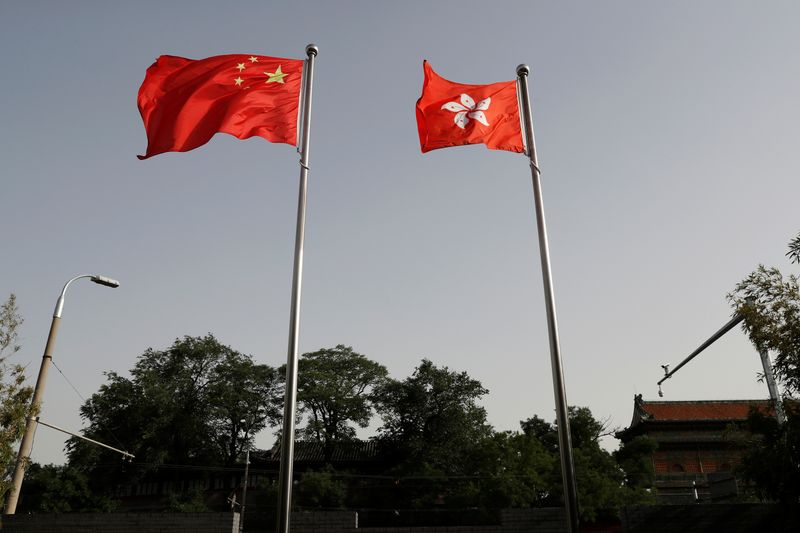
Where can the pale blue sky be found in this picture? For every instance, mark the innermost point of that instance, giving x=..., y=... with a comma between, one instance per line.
x=667, y=136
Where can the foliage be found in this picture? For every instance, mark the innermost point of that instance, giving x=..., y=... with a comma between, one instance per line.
x=432, y=419
x=245, y=398
x=336, y=388
x=634, y=459
x=469, y=466
x=517, y=470
x=794, y=250
x=321, y=490
x=770, y=304
x=772, y=459
x=196, y=403
x=10, y=321
x=191, y=501
x=433, y=430
x=59, y=489
x=14, y=394
x=184, y=406
x=601, y=482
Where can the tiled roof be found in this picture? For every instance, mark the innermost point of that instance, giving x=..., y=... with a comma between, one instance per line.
x=353, y=451
x=700, y=410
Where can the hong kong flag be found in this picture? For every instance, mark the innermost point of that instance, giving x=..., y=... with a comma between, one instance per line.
x=453, y=114
x=184, y=102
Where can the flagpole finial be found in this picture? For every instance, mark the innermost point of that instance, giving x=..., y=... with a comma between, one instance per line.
x=312, y=49
x=523, y=70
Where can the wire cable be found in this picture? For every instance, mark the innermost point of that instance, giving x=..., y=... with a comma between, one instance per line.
x=110, y=432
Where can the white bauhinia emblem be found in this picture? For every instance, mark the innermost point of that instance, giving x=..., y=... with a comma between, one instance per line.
x=467, y=109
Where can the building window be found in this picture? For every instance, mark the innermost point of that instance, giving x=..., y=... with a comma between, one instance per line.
x=677, y=467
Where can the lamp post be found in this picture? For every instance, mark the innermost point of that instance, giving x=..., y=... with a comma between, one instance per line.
x=30, y=425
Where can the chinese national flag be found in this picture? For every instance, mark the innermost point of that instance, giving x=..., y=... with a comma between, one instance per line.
x=452, y=114
x=184, y=102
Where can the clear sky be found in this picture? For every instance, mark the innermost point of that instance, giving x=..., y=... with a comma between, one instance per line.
x=667, y=135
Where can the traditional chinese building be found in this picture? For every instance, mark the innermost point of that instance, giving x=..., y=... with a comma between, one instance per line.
x=699, y=444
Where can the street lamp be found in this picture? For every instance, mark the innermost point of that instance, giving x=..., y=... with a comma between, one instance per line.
x=30, y=424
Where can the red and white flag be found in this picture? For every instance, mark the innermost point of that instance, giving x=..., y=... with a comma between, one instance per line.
x=184, y=102
x=454, y=114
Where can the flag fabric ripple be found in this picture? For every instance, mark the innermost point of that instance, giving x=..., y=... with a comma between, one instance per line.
x=454, y=114
x=185, y=102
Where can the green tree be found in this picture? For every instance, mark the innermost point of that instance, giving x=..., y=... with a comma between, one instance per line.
x=770, y=304
x=321, y=490
x=634, y=457
x=516, y=470
x=14, y=394
x=196, y=403
x=336, y=389
x=600, y=480
x=772, y=459
x=192, y=501
x=59, y=489
x=245, y=398
x=435, y=433
x=794, y=250
x=432, y=419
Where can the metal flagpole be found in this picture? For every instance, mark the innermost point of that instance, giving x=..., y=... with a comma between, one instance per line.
x=562, y=416
x=290, y=397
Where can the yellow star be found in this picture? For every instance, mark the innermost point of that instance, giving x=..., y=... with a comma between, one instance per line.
x=238, y=81
x=253, y=59
x=240, y=66
x=275, y=77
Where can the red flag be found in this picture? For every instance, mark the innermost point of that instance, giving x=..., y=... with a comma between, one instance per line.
x=184, y=102
x=452, y=114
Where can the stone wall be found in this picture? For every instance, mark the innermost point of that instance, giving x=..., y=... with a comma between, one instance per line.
x=121, y=523
x=511, y=521
x=727, y=518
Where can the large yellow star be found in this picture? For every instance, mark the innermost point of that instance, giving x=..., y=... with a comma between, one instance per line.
x=275, y=77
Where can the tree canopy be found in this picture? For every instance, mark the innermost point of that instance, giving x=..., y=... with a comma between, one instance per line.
x=432, y=418
x=336, y=388
x=197, y=402
x=602, y=482
x=772, y=459
x=770, y=304
x=15, y=395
